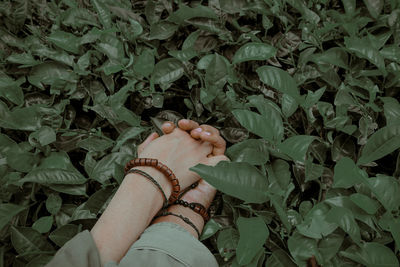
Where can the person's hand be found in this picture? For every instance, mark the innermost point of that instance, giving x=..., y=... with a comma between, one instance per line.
x=179, y=151
x=204, y=132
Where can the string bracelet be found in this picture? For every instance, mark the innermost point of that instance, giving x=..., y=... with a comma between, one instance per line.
x=154, y=181
x=183, y=218
x=163, y=169
x=196, y=207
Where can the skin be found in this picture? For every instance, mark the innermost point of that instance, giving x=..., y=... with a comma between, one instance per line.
x=137, y=200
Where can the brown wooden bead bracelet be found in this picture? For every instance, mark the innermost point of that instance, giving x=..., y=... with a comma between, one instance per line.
x=163, y=169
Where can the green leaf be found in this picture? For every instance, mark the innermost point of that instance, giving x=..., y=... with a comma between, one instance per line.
x=315, y=223
x=382, y=142
x=167, y=71
x=391, y=109
x=63, y=234
x=210, y=229
x=374, y=7
x=227, y=242
x=347, y=174
x=372, y=254
x=280, y=80
x=279, y=258
x=53, y=176
x=162, y=30
x=43, y=224
x=65, y=40
x=144, y=63
x=253, y=51
x=296, y=147
x=363, y=49
x=102, y=12
x=267, y=126
x=387, y=190
x=330, y=245
x=11, y=89
x=369, y=205
x=238, y=179
x=302, y=248
x=7, y=212
x=253, y=151
x=391, y=53
x=253, y=234
x=185, y=13
x=345, y=219
x=45, y=135
x=25, y=240
x=53, y=203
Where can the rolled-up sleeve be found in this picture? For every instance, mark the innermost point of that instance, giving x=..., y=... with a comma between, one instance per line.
x=168, y=244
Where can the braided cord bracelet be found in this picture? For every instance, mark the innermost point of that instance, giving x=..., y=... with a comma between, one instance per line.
x=154, y=181
x=183, y=218
x=196, y=207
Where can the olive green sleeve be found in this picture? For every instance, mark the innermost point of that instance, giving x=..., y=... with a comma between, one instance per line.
x=162, y=244
x=168, y=244
x=80, y=251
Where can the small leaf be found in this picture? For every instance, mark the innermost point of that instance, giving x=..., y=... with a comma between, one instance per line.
x=25, y=240
x=210, y=229
x=253, y=51
x=227, y=242
x=374, y=7
x=296, y=147
x=162, y=30
x=253, y=234
x=346, y=174
x=391, y=109
x=43, y=224
x=382, y=142
x=253, y=151
x=238, y=179
x=302, y=248
x=387, y=190
x=103, y=12
x=65, y=40
x=167, y=71
x=53, y=203
x=280, y=80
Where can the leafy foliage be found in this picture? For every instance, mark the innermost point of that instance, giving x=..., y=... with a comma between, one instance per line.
x=305, y=92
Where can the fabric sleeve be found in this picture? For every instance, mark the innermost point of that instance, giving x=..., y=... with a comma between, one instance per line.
x=80, y=251
x=168, y=244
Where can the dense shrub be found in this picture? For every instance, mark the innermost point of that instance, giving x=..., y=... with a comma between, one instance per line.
x=305, y=93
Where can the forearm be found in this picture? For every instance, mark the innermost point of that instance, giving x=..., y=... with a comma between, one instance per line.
x=130, y=211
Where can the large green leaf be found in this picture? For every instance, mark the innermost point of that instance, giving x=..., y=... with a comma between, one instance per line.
x=302, y=248
x=238, y=179
x=26, y=240
x=253, y=234
x=53, y=176
x=368, y=204
x=65, y=40
x=253, y=51
x=372, y=254
x=280, y=80
x=253, y=151
x=296, y=146
x=387, y=190
x=347, y=174
x=345, y=219
x=382, y=142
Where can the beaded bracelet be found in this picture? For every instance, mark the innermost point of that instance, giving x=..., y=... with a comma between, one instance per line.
x=183, y=218
x=163, y=169
x=145, y=174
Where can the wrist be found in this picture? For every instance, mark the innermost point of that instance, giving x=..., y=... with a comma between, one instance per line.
x=159, y=177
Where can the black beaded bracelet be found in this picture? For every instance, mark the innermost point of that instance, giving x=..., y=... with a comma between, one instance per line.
x=145, y=174
x=196, y=207
x=183, y=218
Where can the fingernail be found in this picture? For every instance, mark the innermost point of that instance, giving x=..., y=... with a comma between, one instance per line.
x=207, y=133
x=167, y=124
x=199, y=130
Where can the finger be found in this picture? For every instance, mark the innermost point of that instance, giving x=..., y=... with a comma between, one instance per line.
x=148, y=140
x=210, y=129
x=167, y=127
x=187, y=125
x=212, y=161
x=217, y=141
